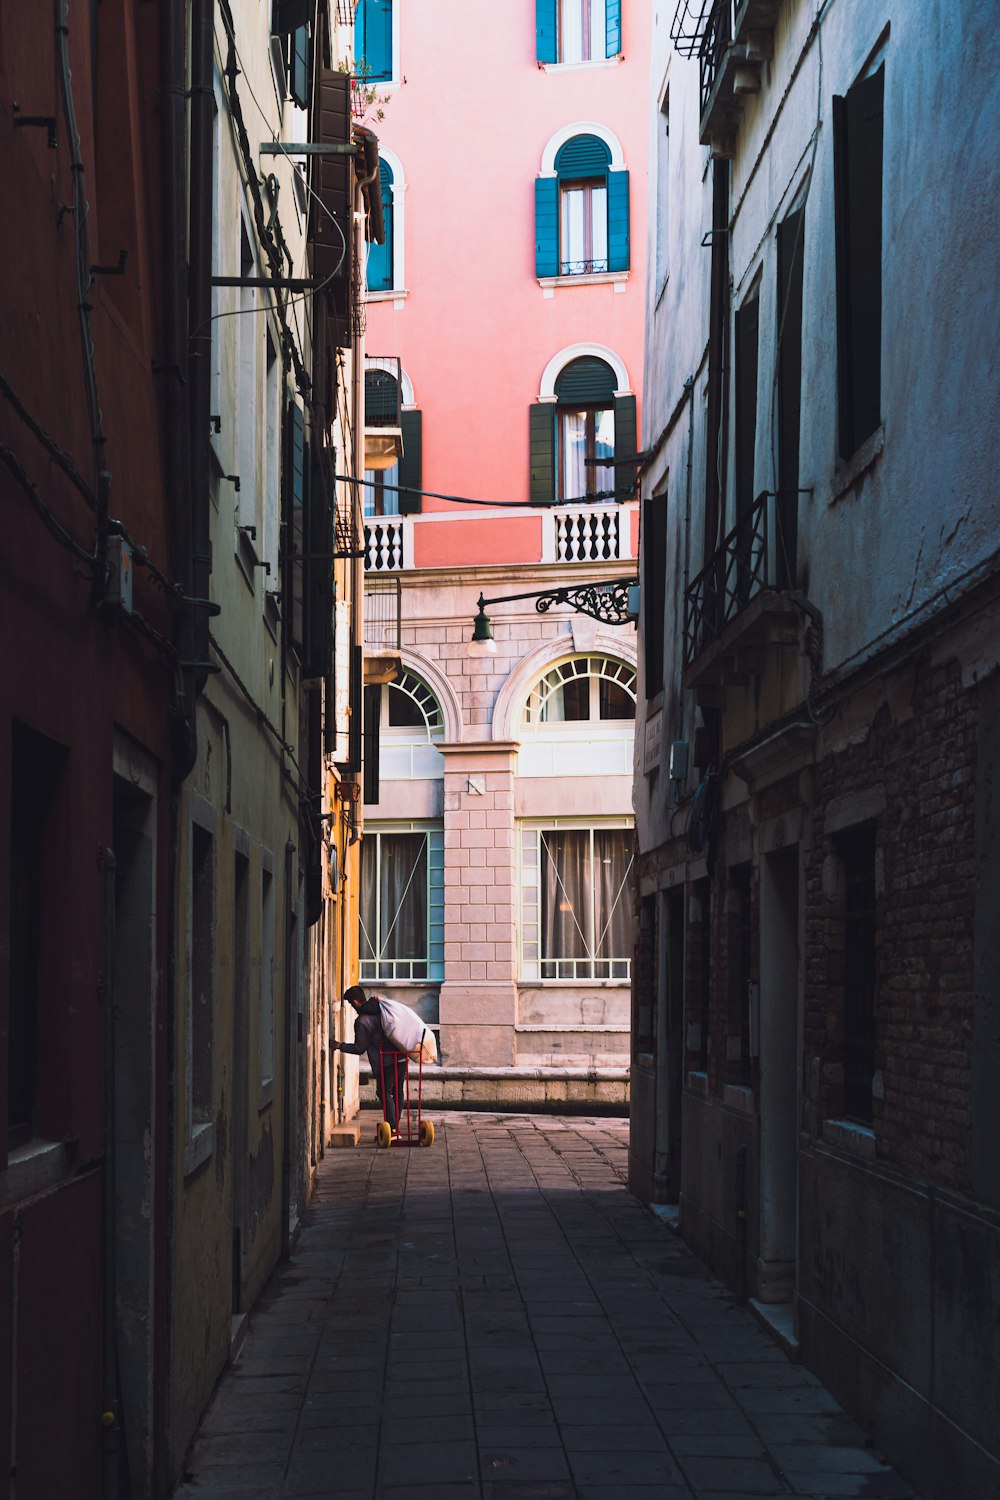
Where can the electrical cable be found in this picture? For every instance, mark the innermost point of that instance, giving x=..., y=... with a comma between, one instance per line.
x=261, y=713
x=61, y=457
x=54, y=527
x=409, y=489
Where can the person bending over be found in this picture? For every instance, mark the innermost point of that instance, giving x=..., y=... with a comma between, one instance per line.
x=371, y=1039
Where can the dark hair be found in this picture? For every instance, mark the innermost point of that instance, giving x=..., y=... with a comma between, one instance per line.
x=356, y=995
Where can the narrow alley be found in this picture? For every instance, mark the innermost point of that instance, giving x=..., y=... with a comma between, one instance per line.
x=499, y=1317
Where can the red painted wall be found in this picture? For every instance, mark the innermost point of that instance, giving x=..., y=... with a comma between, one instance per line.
x=73, y=676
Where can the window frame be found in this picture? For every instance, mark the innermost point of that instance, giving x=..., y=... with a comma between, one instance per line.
x=530, y=833
x=379, y=970
x=623, y=674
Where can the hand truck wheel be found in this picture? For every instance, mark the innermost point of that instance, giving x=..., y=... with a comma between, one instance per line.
x=383, y=1133
x=427, y=1132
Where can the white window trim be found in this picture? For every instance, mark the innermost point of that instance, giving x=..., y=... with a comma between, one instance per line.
x=581, y=127
x=558, y=362
x=559, y=825
x=385, y=85
x=617, y=279
x=398, y=188
x=586, y=66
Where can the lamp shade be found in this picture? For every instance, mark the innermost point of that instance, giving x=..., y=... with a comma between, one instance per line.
x=482, y=643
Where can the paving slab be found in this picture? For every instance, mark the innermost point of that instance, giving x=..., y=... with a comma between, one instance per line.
x=499, y=1319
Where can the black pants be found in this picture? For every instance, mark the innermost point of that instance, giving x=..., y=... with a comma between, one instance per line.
x=389, y=1072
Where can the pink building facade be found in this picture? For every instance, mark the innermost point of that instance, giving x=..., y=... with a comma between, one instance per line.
x=497, y=855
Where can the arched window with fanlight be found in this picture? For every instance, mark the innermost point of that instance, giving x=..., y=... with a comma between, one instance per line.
x=579, y=719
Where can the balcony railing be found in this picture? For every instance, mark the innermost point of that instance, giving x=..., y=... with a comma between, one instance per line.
x=383, y=615
x=582, y=267
x=717, y=40
x=384, y=544
x=737, y=573
x=590, y=533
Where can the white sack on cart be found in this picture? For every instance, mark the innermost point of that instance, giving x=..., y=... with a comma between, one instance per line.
x=406, y=1029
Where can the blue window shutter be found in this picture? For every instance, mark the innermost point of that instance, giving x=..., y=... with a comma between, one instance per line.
x=546, y=226
x=379, y=263
x=542, y=452
x=545, y=31
x=618, y=232
x=582, y=156
x=613, y=27
x=373, y=39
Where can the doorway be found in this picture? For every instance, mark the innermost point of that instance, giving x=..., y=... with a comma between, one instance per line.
x=134, y=1000
x=779, y=1048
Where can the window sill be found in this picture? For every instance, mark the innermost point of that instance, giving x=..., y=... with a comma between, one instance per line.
x=617, y=279
x=585, y=66
x=739, y=1096
x=850, y=473
x=246, y=559
x=272, y=614
x=573, y=984
x=200, y=1145
x=850, y=1136
x=698, y=1084
x=266, y=1096
x=32, y=1168
x=390, y=295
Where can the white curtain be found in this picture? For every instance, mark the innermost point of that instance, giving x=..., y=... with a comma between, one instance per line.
x=394, y=904
x=586, y=912
x=574, y=452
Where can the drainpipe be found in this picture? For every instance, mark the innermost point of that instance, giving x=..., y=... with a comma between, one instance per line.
x=173, y=166
x=689, y=387
x=715, y=457
x=286, y=1113
x=110, y=1414
x=200, y=313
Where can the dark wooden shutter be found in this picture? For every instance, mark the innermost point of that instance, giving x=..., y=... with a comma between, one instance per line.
x=546, y=33
x=373, y=715
x=317, y=652
x=542, y=435
x=747, y=331
x=586, y=381
x=857, y=138
x=546, y=226
x=411, y=465
x=626, y=443
x=790, y=248
x=619, y=250
x=653, y=547
x=299, y=82
x=294, y=510
x=613, y=27
x=332, y=242
x=288, y=15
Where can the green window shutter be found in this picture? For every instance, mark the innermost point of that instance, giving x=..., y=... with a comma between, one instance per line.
x=411, y=465
x=613, y=27
x=546, y=40
x=546, y=226
x=582, y=156
x=618, y=231
x=542, y=444
x=587, y=381
x=373, y=714
x=317, y=646
x=299, y=83
x=626, y=441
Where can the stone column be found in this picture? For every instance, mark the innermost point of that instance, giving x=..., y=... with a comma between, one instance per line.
x=479, y=993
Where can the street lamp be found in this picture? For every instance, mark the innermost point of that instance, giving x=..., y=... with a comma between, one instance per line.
x=614, y=602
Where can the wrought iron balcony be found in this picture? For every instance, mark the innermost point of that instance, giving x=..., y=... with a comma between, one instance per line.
x=740, y=599
x=583, y=267
x=731, y=39
x=383, y=615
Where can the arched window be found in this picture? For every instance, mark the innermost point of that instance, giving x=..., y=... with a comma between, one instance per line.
x=574, y=442
x=582, y=214
x=380, y=257
x=584, y=689
x=410, y=706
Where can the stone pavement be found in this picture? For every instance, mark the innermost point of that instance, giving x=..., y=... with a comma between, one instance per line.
x=497, y=1318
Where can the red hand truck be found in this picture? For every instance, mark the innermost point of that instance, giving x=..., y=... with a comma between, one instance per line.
x=417, y=1131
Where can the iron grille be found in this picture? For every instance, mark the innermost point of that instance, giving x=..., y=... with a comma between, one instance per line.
x=383, y=615
x=582, y=267
x=687, y=29
x=347, y=529
x=704, y=29
x=383, y=392
x=736, y=574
